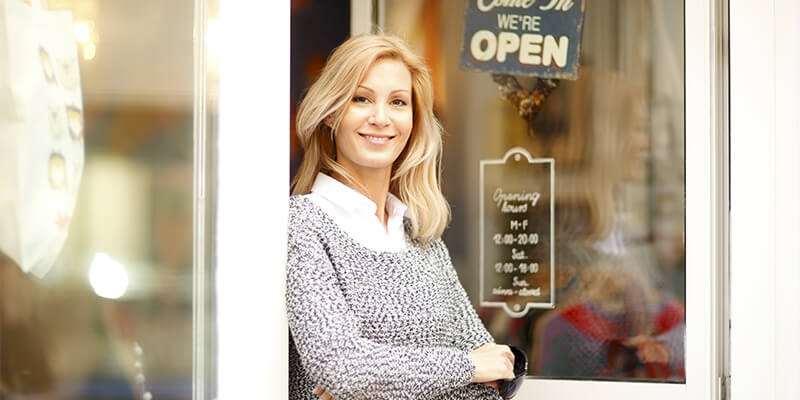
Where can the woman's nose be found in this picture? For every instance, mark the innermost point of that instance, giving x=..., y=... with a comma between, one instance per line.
x=378, y=116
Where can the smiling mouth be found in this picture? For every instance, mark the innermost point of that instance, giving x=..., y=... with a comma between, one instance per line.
x=376, y=139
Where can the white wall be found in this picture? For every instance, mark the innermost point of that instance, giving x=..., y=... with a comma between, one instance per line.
x=764, y=205
x=787, y=200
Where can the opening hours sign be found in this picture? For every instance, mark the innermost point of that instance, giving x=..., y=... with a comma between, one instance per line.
x=517, y=268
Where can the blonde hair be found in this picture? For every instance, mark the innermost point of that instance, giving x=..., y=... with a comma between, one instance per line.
x=416, y=174
x=589, y=136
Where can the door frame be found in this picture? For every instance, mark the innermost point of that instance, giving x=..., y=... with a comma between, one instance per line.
x=252, y=186
x=252, y=357
x=706, y=237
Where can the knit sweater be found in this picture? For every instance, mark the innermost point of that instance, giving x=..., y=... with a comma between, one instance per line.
x=376, y=325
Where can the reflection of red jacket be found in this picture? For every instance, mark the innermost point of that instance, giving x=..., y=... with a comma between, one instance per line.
x=583, y=340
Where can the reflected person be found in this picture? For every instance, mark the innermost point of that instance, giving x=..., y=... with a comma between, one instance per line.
x=615, y=319
x=375, y=308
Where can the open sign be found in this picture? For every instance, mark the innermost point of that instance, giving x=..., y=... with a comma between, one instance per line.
x=523, y=37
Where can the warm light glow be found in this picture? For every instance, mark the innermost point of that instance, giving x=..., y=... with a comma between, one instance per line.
x=108, y=277
x=212, y=35
x=82, y=31
x=89, y=51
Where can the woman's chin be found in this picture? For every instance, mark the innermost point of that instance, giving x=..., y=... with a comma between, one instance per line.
x=375, y=161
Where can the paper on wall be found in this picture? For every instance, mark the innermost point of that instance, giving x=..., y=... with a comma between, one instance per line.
x=41, y=133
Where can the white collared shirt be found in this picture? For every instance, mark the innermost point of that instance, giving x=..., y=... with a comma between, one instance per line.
x=355, y=214
x=613, y=244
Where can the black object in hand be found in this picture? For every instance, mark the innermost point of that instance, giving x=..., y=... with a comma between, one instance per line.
x=508, y=387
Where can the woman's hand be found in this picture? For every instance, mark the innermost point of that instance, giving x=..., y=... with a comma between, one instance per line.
x=494, y=385
x=492, y=362
x=323, y=395
x=649, y=349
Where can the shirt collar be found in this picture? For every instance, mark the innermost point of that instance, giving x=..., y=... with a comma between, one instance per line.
x=395, y=207
x=349, y=199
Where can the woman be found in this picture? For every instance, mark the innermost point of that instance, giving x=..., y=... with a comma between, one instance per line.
x=375, y=307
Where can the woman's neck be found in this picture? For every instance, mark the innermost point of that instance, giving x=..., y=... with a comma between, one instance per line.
x=376, y=184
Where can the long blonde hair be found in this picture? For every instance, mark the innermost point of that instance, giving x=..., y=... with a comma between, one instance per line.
x=416, y=174
x=588, y=134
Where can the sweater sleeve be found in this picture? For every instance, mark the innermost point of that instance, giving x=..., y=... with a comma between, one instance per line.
x=332, y=349
x=470, y=333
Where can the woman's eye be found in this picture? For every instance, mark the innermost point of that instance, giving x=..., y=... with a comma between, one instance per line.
x=360, y=99
x=398, y=102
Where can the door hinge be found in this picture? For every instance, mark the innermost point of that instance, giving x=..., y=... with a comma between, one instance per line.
x=723, y=387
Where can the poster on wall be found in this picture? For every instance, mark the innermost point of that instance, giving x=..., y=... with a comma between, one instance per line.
x=516, y=232
x=523, y=37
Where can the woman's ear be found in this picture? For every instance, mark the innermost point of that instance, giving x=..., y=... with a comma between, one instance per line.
x=328, y=121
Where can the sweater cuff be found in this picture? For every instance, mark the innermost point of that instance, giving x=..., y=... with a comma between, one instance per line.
x=464, y=369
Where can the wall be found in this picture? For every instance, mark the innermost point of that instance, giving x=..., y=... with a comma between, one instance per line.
x=764, y=205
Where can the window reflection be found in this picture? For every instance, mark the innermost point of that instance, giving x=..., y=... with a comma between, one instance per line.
x=113, y=318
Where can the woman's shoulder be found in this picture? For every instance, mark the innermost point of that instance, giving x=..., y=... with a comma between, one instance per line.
x=304, y=214
x=299, y=201
x=435, y=248
x=302, y=204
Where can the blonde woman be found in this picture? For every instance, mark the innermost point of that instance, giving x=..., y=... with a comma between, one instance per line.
x=375, y=307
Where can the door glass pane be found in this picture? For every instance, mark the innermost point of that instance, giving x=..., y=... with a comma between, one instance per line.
x=112, y=318
x=616, y=137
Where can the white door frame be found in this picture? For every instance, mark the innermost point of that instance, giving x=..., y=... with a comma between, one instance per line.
x=253, y=189
x=253, y=200
x=706, y=226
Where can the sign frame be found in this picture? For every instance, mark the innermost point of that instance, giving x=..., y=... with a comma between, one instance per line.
x=517, y=152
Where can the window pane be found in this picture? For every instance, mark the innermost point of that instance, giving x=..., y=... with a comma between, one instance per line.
x=113, y=317
x=616, y=137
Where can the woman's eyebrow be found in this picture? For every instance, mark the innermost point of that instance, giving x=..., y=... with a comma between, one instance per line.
x=393, y=91
x=366, y=88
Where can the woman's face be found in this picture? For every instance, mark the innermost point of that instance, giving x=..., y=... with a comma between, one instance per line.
x=377, y=122
x=637, y=147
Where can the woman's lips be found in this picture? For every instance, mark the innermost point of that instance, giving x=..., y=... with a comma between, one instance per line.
x=376, y=138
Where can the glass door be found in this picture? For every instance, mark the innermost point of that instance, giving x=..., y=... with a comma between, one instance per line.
x=612, y=284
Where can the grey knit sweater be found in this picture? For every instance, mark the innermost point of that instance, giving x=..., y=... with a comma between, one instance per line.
x=376, y=325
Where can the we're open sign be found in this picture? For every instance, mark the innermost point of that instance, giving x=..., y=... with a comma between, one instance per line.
x=523, y=37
